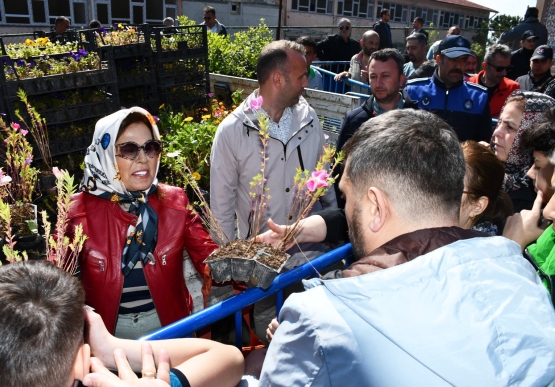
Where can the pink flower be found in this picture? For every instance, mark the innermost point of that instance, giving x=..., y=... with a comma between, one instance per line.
x=23, y=131
x=57, y=172
x=256, y=103
x=15, y=125
x=156, y=119
x=317, y=180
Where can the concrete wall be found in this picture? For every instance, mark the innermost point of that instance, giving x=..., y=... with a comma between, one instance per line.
x=249, y=13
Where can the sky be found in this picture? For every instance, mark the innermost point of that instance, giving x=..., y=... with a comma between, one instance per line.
x=507, y=7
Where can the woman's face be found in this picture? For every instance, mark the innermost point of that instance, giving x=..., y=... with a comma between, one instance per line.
x=137, y=174
x=541, y=172
x=504, y=134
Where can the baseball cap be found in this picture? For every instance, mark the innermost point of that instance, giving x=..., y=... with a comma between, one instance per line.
x=454, y=46
x=528, y=35
x=542, y=52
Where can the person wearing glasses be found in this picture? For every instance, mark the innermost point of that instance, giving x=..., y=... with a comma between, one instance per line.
x=463, y=105
x=339, y=47
x=539, y=78
x=131, y=265
x=212, y=23
x=496, y=66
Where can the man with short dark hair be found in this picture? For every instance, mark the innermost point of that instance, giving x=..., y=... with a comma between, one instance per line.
x=385, y=71
x=471, y=65
x=296, y=141
x=530, y=22
x=212, y=23
x=383, y=29
x=539, y=78
x=314, y=76
x=422, y=291
x=61, y=25
x=338, y=47
x=520, y=59
x=417, y=46
x=358, y=69
x=462, y=105
x=418, y=25
x=496, y=66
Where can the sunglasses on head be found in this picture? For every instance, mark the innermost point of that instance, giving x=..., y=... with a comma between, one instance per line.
x=130, y=150
x=344, y=28
x=501, y=68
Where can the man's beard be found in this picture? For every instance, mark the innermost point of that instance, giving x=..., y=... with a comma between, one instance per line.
x=356, y=234
x=368, y=51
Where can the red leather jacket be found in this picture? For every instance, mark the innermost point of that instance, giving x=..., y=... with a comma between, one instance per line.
x=105, y=223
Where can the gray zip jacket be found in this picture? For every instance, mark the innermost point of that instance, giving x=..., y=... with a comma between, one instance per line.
x=235, y=159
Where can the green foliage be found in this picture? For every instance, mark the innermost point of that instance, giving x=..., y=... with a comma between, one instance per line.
x=433, y=34
x=500, y=24
x=237, y=56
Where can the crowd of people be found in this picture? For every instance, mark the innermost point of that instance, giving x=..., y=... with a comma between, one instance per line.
x=454, y=256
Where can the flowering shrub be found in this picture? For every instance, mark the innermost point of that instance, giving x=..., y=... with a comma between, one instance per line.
x=74, y=61
x=191, y=139
x=237, y=55
x=38, y=47
x=19, y=184
x=170, y=41
x=119, y=36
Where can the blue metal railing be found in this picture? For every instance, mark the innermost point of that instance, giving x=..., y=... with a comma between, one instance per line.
x=185, y=327
x=333, y=86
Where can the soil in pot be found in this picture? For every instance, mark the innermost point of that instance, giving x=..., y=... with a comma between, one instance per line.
x=248, y=249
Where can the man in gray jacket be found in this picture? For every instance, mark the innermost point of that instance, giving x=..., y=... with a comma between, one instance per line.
x=296, y=140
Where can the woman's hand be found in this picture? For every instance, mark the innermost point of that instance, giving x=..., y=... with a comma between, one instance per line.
x=102, y=377
x=524, y=228
x=272, y=326
x=101, y=341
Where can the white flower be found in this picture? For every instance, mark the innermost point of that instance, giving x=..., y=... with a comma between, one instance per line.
x=5, y=179
x=174, y=154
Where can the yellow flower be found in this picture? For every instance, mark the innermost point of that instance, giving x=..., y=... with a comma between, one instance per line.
x=188, y=119
x=196, y=176
x=120, y=26
x=29, y=42
x=161, y=106
x=206, y=117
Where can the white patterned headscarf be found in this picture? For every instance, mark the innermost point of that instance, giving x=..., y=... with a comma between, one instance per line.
x=103, y=179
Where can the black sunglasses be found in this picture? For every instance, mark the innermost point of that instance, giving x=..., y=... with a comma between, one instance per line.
x=344, y=28
x=130, y=150
x=501, y=68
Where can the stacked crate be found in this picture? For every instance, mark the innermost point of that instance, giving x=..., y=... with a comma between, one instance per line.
x=181, y=63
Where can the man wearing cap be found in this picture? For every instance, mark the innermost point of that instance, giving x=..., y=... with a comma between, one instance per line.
x=530, y=23
x=496, y=65
x=462, y=105
x=520, y=59
x=539, y=78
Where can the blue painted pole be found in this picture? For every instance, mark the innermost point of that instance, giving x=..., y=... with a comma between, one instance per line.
x=236, y=303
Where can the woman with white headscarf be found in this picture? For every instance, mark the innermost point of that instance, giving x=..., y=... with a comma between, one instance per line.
x=131, y=265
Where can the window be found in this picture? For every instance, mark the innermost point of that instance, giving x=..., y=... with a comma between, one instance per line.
x=17, y=12
x=79, y=13
x=429, y=15
x=356, y=8
x=473, y=21
x=449, y=19
x=313, y=6
x=39, y=15
x=399, y=12
x=102, y=13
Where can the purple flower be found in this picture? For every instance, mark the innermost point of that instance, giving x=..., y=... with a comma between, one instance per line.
x=256, y=103
x=83, y=52
x=32, y=64
x=210, y=95
x=28, y=161
x=156, y=118
x=102, y=30
x=21, y=62
x=77, y=57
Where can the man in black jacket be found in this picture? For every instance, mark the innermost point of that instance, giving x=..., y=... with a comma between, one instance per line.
x=520, y=59
x=385, y=72
x=339, y=47
x=539, y=78
x=382, y=28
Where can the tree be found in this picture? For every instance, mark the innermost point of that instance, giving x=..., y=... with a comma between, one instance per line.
x=500, y=24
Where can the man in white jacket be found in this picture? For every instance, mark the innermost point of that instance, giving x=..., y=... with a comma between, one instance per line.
x=296, y=140
x=426, y=303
